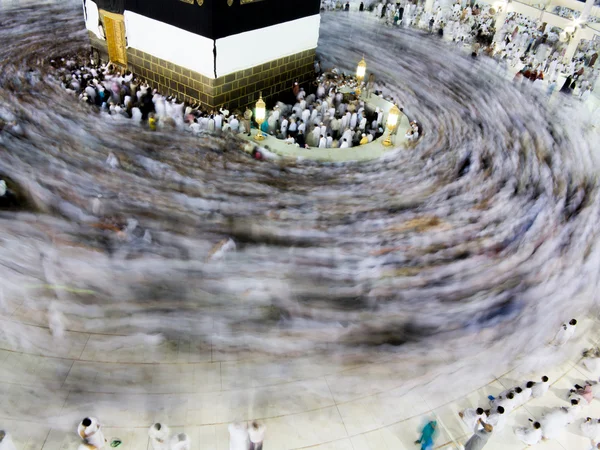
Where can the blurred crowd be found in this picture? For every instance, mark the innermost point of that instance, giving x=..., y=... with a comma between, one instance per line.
x=331, y=116
x=531, y=48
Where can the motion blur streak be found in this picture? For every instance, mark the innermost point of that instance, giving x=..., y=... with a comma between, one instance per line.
x=485, y=232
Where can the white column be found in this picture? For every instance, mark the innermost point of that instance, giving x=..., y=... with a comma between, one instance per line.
x=572, y=47
x=428, y=6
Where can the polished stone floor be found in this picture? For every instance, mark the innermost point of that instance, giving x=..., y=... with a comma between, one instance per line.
x=49, y=384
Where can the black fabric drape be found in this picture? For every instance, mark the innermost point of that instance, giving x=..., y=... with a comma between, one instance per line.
x=114, y=6
x=215, y=19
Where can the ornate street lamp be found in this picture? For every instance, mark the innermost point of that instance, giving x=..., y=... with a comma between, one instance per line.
x=261, y=112
x=392, y=122
x=361, y=71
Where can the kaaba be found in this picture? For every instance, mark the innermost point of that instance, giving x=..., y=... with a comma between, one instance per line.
x=214, y=52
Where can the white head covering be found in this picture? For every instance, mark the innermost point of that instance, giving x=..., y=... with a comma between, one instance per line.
x=159, y=432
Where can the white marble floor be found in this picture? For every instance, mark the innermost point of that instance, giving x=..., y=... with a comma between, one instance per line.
x=314, y=402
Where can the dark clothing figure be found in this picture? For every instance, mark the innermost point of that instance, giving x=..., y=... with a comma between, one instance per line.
x=566, y=88
x=361, y=7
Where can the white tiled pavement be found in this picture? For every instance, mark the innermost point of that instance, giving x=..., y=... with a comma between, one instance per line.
x=48, y=385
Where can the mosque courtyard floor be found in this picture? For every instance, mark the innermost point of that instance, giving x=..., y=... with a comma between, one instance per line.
x=307, y=402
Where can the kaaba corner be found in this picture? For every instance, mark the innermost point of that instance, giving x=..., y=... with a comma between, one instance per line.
x=214, y=52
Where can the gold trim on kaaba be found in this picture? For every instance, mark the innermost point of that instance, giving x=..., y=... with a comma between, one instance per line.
x=229, y=2
x=114, y=31
x=246, y=2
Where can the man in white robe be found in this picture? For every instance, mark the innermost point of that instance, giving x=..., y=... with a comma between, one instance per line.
x=347, y=136
x=256, y=433
x=555, y=420
x=315, y=136
x=238, y=437
x=90, y=431
x=234, y=124
x=497, y=419
x=180, y=441
x=530, y=436
x=565, y=333
x=322, y=142
x=218, y=122
x=471, y=416
x=540, y=388
x=353, y=120
x=302, y=127
x=323, y=129
x=345, y=121
x=284, y=127
x=159, y=436
x=305, y=115
x=591, y=428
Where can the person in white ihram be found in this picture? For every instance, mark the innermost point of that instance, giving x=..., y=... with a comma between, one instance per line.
x=159, y=436
x=558, y=418
x=180, y=441
x=322, y=142
x=90, y=431
x=6, y=442
x=256, y=432
x=238, y=436
x=591, y=428
x=471, y=416
x=540, y=388
x=497, y=419
x=530, y=436
x=565, y=333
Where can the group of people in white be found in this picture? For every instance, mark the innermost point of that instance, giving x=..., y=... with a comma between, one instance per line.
x=326, y=118
x=537, y=52
x=485, y=423
x=125, y=97
x=242, y=436
x=534, y=49
x=321, y=119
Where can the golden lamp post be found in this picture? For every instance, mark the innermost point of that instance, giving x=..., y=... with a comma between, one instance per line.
x=261, y=112
x=391, y=124
x=361, y=71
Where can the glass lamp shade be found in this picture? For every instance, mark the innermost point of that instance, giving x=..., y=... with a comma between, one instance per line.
x=261, y=110
x=361, y=70
x=393, y=118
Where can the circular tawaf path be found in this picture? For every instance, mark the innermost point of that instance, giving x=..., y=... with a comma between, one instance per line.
x=362, y=298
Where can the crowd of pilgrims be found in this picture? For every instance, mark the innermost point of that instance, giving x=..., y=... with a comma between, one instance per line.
x=484, y=423
x=242, y=436
x=535, y=50
x=329, y=119
x=324, y=118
